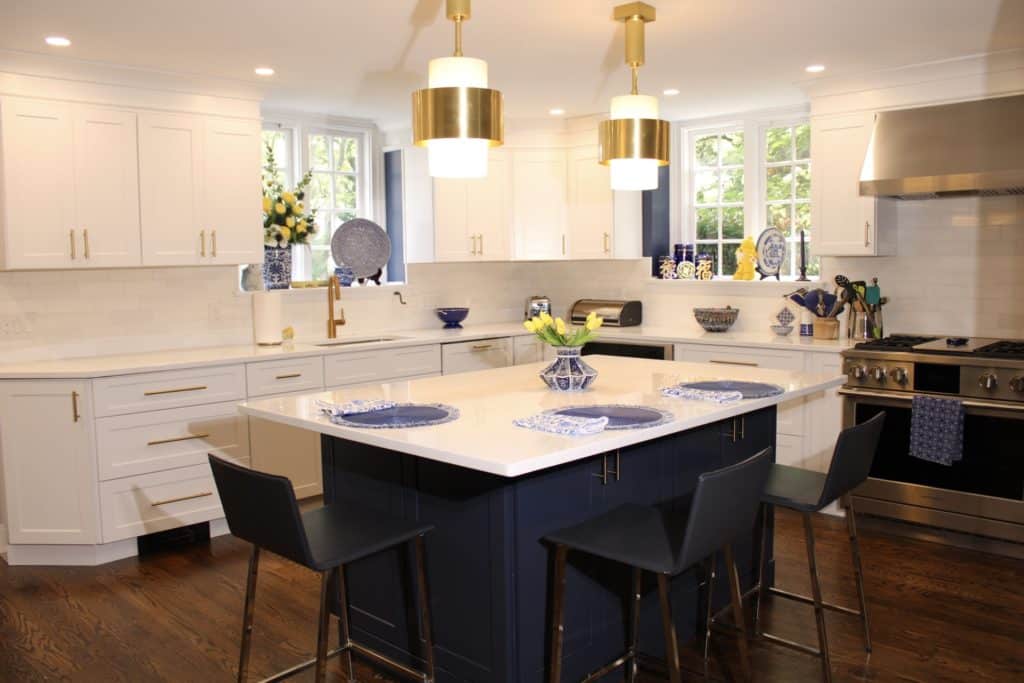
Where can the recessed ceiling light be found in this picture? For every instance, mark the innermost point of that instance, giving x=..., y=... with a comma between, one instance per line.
x=264, y=71
x=57, y=41
x=814, y=68
x=671, y=92
x=557, y=111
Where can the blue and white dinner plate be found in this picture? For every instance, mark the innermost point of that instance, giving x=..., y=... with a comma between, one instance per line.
x=771, y=251
x=619, y=416
x=748, y=389
x=402, y=415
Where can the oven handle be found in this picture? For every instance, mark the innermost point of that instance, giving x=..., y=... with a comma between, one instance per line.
x=986, y=405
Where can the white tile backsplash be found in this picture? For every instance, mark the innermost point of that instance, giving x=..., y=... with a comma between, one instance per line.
x=958, y=271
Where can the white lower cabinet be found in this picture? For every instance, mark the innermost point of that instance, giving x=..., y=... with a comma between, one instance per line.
x=482, y=354
x=49, y=463
x=527, y=350
x=384, y=365
x=289, y=452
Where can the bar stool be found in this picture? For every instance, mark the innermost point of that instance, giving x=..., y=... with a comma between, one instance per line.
x=261, y=509
x=809, y=492
x=645, y=538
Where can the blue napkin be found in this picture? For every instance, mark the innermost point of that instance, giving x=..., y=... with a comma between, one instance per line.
x=677, y=391
x=353, y=407
x=566, y=425
x=937, y=430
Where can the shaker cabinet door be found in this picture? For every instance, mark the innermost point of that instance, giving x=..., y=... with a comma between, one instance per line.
x=591, y=206
x=232, y=209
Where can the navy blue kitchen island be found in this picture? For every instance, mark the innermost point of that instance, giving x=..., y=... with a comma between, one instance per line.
x=488, y=569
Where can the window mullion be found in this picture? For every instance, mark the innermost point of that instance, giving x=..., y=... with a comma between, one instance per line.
x=752, y=217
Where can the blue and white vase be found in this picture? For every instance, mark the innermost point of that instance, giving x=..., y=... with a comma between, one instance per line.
x=569, y=372
x=277, y=267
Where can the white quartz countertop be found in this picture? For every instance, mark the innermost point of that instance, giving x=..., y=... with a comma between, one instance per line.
x=485, y=439
x=86, y=367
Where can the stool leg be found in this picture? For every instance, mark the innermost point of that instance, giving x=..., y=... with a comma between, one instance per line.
x=851, y=525
x=557, y=609
x=323, y=628
x=737, y=610
x=250, y=603
x=710, y=597
x=424, y=603
x=671, y=641
x=634, y=624
x=819, y=611
x=344, y=636
x=762, y=566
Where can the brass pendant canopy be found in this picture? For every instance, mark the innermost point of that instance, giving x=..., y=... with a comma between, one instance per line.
x=634, y=138
x=467, y=113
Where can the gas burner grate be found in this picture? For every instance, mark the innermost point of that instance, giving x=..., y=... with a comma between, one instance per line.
x=1002, y=349
x=896, y=342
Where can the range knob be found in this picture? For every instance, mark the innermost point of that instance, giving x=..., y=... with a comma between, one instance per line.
x=859, y=372
x=1017, y=385
x=988, y=381
x=899, y=375
x=878, y=374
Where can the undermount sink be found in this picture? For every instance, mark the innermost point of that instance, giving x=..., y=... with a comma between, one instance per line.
x=360, y=340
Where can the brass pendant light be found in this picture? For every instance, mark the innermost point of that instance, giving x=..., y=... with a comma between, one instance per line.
x=457, y=117
x=634, y=141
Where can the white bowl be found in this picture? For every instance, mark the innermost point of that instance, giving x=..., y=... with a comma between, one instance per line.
x=782, y=330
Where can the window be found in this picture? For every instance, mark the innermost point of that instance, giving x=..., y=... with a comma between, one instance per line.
x=281, y=140
x=742, y=177
x=718, y=195
x=787, y=190
x=336, y=161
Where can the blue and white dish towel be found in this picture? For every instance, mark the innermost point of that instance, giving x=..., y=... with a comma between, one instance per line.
x=678, y=391
x=937, y=430
x=353, y=407
x=565, y=425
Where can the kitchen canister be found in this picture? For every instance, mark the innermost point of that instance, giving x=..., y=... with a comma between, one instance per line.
x=266, y=317
x=806, y=323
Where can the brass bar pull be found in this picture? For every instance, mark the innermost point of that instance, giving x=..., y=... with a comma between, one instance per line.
x=607, y=243
x=160, y=392
x=472, y=245
x=745, y=364
x=603, y=474
x=213, y=239
x=563, y=245
x=618, y=466
x=290, y=375
x=176, y=439
x=158, y=503
x=481, y=238
x=75, y=415
x=71, y=235
x=202, y=243
x=743, y=428
x=85, y=241
x=734, y=439
x=867, y=230
x=483, y=347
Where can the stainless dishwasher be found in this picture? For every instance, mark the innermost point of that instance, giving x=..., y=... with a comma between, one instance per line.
x=633, y=349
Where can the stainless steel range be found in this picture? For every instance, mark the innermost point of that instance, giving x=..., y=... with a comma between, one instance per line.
x=983, y=494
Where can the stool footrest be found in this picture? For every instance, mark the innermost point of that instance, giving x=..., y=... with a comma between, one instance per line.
x=790, y=644
x=298, y=668
x=809, y=601
x=384, y=660
x=610, y=666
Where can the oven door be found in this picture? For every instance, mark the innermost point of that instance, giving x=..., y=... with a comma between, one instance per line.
x=981, y=494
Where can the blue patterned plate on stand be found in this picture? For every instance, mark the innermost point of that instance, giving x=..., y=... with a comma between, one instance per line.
x=619, y=416
x=748, y=389
x=402, y=415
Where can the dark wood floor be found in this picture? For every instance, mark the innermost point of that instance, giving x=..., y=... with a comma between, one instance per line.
x=938, y=614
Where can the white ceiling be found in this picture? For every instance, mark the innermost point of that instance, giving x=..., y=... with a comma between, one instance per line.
x=362, y=59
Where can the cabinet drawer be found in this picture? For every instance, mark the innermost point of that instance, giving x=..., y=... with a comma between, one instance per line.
x=476, y=355
x=135, y=506
x=279, y=376
x=345, y=369
x=527, y=350
x=150, y=442
x=739, y=356
x=171, y=389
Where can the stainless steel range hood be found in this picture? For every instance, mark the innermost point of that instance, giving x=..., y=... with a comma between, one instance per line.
x=968, y=148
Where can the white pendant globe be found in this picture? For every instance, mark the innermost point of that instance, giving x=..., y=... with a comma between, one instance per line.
x=457, y=157
x=634, y=174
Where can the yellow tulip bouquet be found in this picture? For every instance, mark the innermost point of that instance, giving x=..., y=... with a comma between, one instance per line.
x=554, y=331
x=285, y=220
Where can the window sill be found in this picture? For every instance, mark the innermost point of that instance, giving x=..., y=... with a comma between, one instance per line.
x=755, y=288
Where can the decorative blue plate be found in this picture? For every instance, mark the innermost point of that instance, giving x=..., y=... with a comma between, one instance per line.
x=402, y=415
x=748, y=389
x=771, y=252
x=619, y=416
x=362, y=245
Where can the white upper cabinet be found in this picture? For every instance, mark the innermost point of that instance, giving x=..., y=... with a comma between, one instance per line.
x=106, y=187
x=170, y=184
x=452, y=240
x=591, y=206
x=843, y=222
x=471, y=221
x=539, y=203
x=231, y=209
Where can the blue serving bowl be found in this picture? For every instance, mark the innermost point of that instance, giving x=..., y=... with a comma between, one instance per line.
x=451, y=317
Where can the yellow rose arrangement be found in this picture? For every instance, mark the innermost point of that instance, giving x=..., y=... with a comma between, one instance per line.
x=285, y=220
x=554, y=331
